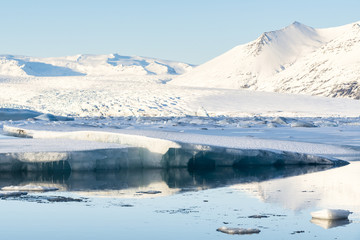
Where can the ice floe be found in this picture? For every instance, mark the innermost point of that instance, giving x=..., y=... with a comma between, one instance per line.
x=29, y=188
x=238, y=230
x=331, y=214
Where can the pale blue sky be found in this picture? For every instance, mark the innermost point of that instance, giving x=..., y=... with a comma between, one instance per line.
x=192, y=31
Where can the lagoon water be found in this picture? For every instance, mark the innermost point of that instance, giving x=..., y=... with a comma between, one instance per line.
x=183, y=204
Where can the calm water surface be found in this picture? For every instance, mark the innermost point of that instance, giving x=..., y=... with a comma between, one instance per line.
x=184, y=205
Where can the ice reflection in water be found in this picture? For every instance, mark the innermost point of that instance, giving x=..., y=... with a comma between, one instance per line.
x=337, y=188
x=126, y=183
x=326, y=224
x=287, y=196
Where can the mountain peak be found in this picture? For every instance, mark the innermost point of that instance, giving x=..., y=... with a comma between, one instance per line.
x=296, y=23
x=296, y=59
x=299, y=26
x=293, y=36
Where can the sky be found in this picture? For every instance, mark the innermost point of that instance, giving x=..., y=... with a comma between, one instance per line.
x=192, y=31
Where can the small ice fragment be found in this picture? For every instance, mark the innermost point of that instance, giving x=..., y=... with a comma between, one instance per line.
x=29, y=188
x=63, y=199
x=302, y=124
x=238, y=230
x=149, y=192
x=258, y=216
x=280, y=120
x=331, y=214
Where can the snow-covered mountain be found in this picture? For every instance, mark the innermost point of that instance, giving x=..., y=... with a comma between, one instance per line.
x=295, y=59
x=88, y=65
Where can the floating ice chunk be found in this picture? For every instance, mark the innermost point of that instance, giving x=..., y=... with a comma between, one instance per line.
x=331, y=214
x=238, y=230
x=11, y=194
x=280, y=120
x=149, y=192
x=28, y=188
x=299, y=123
x=64, y=199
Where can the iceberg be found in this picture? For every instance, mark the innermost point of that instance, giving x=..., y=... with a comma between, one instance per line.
x=331, y=214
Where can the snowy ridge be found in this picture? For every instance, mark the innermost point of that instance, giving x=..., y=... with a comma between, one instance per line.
x=295, y=59
x=88, y=65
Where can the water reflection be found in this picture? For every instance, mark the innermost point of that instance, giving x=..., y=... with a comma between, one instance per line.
x=326, y=224
x=126, y=183
x=337, y=188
